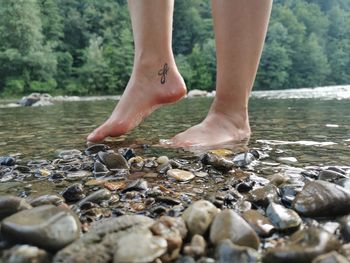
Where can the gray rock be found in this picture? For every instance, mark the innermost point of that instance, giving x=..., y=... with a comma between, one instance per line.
x=330, y=176
x=96, y=197
x=47, y=227
x=148, y=247
x=331, y=257
x=229, y=225
x=11, y=204
x=173, y=230
x=100, y=243
x=321, y=198
x=180, y=175
x=264, y=195
x=227, y=252
x=113, y=161
x=7, y=160
x=47, y=200
x=261, y=224
x=25, y=254
x=303, y=247
x=199, y=216
x=283, y=218
x=74, y=192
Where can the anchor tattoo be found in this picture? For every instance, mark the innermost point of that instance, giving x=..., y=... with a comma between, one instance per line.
x=163, y=72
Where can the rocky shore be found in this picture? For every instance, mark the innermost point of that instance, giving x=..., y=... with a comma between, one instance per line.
x=114, y=205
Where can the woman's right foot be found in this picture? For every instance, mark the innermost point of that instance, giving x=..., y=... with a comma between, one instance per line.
x=151, y=85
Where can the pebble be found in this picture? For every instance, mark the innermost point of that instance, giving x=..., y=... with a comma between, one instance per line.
x=302, y=247
x=10, y=205
x=137, y=185
x=78, y=175
x=96, y=197
x=180, y=175
x=264, y=195
x=243, y=159
x=47, y=200
x=330, y=176
x=25, y=254
x=69, y=154
x=46, y=227
x=283, y=218
x=261, y=224
x=229, y=225
x=113, y=161
x=199, y=216
x=7, y=160
x=321, y=198
x=218, y=162
x=331, y=257
x=173, y=230
x=74, y=192
x=227, y=252
x=287, y=160
x=162, y=160
x=93, y=149
x=197, y=246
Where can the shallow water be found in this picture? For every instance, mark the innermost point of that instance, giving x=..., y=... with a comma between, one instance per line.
x=312, y=130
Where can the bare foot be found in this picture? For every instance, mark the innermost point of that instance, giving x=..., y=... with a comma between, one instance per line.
x=215, y=130
x=149, y=87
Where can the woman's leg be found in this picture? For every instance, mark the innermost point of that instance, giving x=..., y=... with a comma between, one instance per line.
x=240, y=28
x=155, y=79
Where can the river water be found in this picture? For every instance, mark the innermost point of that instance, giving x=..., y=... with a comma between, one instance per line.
x=314, y=130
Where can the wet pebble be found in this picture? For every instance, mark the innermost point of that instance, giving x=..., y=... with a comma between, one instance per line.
x=330, y=176
x=218, y=162
x=77, y=175
x=137, y=185
x=227, y=252
x=113, y=161
x=261, y=224
x=162, y=160
x=100, y=169
x=7, y=160
x=96, y=197
x=243, y=159
x=229, y=225
x=197, y=246
x=321, y=198
x=93, y=149
x=69, y=154
x=47, y=227
x=303, y=247
x=47, y=200
x=264, y=195
x=199, y=216
x=283, y=219
x=74, y=192
x=180, y=175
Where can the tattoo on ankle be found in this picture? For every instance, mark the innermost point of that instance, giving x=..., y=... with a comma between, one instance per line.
x=163, y=72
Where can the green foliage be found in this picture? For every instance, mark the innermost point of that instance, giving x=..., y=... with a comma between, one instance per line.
x=86, y=47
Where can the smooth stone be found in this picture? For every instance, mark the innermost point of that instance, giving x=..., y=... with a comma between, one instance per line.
x=113, y=161
x=96, y=197
x=199, y=215
x=218, y=162
x=101, y=241
x=287, y=160
x=100, y=169
x=180, y=175
x=331, y=257
x=302, y=247
x=264, y=195
x=283, y=218
x=47, y=200
x=10, y=205
x=137, y=185
x=229, y=225
x=330, y=176
x=149, y=247
x=47, y=227
x=74, y=192
x=173, y=230
x=261, y=224
x=197, y=246
x=162, y=159
x=321, y=198
x=25, y=254
x=95, y=148
x=227, y=252
x=7, y=160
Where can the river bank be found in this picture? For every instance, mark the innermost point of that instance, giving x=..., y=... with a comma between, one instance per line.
x=111, y=204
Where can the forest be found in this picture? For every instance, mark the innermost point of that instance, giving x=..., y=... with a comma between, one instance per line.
x=85, y=47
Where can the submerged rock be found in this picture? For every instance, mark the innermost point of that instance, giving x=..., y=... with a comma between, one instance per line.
x=199, y=216
x=218, y=162
x=264, y=195
x=7, y=160
x=303, y=247
x=47, y=227
x=180, y=175
x=321, y=198
x=229, y=225
x=113, y=161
